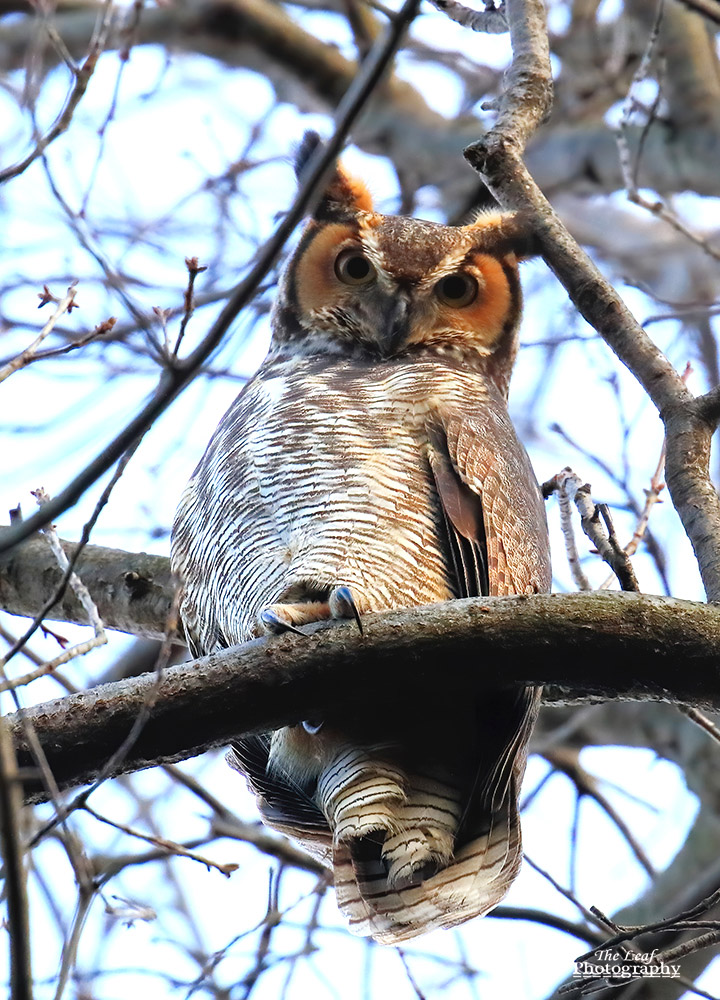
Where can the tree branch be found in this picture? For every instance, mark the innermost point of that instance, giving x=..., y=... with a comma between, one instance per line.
x=595, y=646
x=133, y=591
x=11, y=849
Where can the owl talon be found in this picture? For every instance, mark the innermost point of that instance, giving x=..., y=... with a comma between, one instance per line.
x=272, y=622
x=342, y=605
x=312, y=726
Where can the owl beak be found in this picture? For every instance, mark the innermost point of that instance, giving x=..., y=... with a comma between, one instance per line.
x=396, y=322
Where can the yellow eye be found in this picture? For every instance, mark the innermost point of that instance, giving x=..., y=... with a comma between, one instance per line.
x=457, y=290
x=353, y=268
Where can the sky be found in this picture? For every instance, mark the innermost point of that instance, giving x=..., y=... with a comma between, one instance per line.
x=175, y=125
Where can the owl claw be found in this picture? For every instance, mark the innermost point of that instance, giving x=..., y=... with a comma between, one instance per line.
x=312, y=726
x=342, y=605
x=272, y=622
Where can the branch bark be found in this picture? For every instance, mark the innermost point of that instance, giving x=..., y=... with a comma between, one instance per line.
x=133, y=591
x=589, y=646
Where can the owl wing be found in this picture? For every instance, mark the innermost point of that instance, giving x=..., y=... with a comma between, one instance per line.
x=494, y=512
x=497, y=537
x=284, y=806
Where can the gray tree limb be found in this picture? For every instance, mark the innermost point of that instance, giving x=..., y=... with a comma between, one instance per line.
x=132, y=590
x=588, y=646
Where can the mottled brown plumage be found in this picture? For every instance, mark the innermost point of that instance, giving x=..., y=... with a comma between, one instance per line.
x=371, y=461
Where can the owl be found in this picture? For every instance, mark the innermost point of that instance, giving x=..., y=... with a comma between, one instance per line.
x=370, y=465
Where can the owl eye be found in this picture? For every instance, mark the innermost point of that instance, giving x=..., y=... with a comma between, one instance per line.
x=353, y=268
x=457, y=290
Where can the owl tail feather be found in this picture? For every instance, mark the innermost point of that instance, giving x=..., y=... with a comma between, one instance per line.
x=474, y=881
x=400, y=828
x=422, y=831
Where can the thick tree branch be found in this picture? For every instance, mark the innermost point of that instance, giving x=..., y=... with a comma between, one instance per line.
x=595, y=646
x=132, y=590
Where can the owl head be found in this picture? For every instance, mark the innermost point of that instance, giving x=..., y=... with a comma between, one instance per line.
x=365, y=285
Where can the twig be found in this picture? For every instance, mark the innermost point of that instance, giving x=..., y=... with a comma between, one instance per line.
x=701, y=720
x=652, y=496
x=659, y=209
x=10, y=639
x=62, y=123
x=65, y=304
x=82, y=75
x=408, y=972
x=633, y=960
x=492, y=20
x=688, y=947
x=178, y=377
x=622, y=482
x=86, y=896
x=191, y=263
x=56, y=352
x=34, y=745
x=567, y=761
x=590, y=915
x=273, y=918
x=591, y=514
x=84, y=538
x=111, y=764
x=566, y=524
x=169, y=845
x=15, y=877
x=224, y=823
x=579, y=931
x=82, y=594
x=680, y=921
x=631, y=168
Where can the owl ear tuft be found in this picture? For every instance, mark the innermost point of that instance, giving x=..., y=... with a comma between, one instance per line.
x=344, y=195
x=500, y=233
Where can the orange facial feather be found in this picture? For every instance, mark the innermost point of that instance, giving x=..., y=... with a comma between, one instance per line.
x=486, y=315
x=316, y=284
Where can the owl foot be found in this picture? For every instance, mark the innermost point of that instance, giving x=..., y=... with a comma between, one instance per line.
x=342, y=605
x=280, y=618
x=277, y=619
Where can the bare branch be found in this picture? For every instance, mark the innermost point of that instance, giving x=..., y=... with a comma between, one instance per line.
x=166, y=845
x=595, y=646
x=15, y=878
x=597, y=525
x=82, y=78
x=65, y=304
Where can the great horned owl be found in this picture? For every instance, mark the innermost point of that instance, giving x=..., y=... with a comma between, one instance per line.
x=371, y=464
